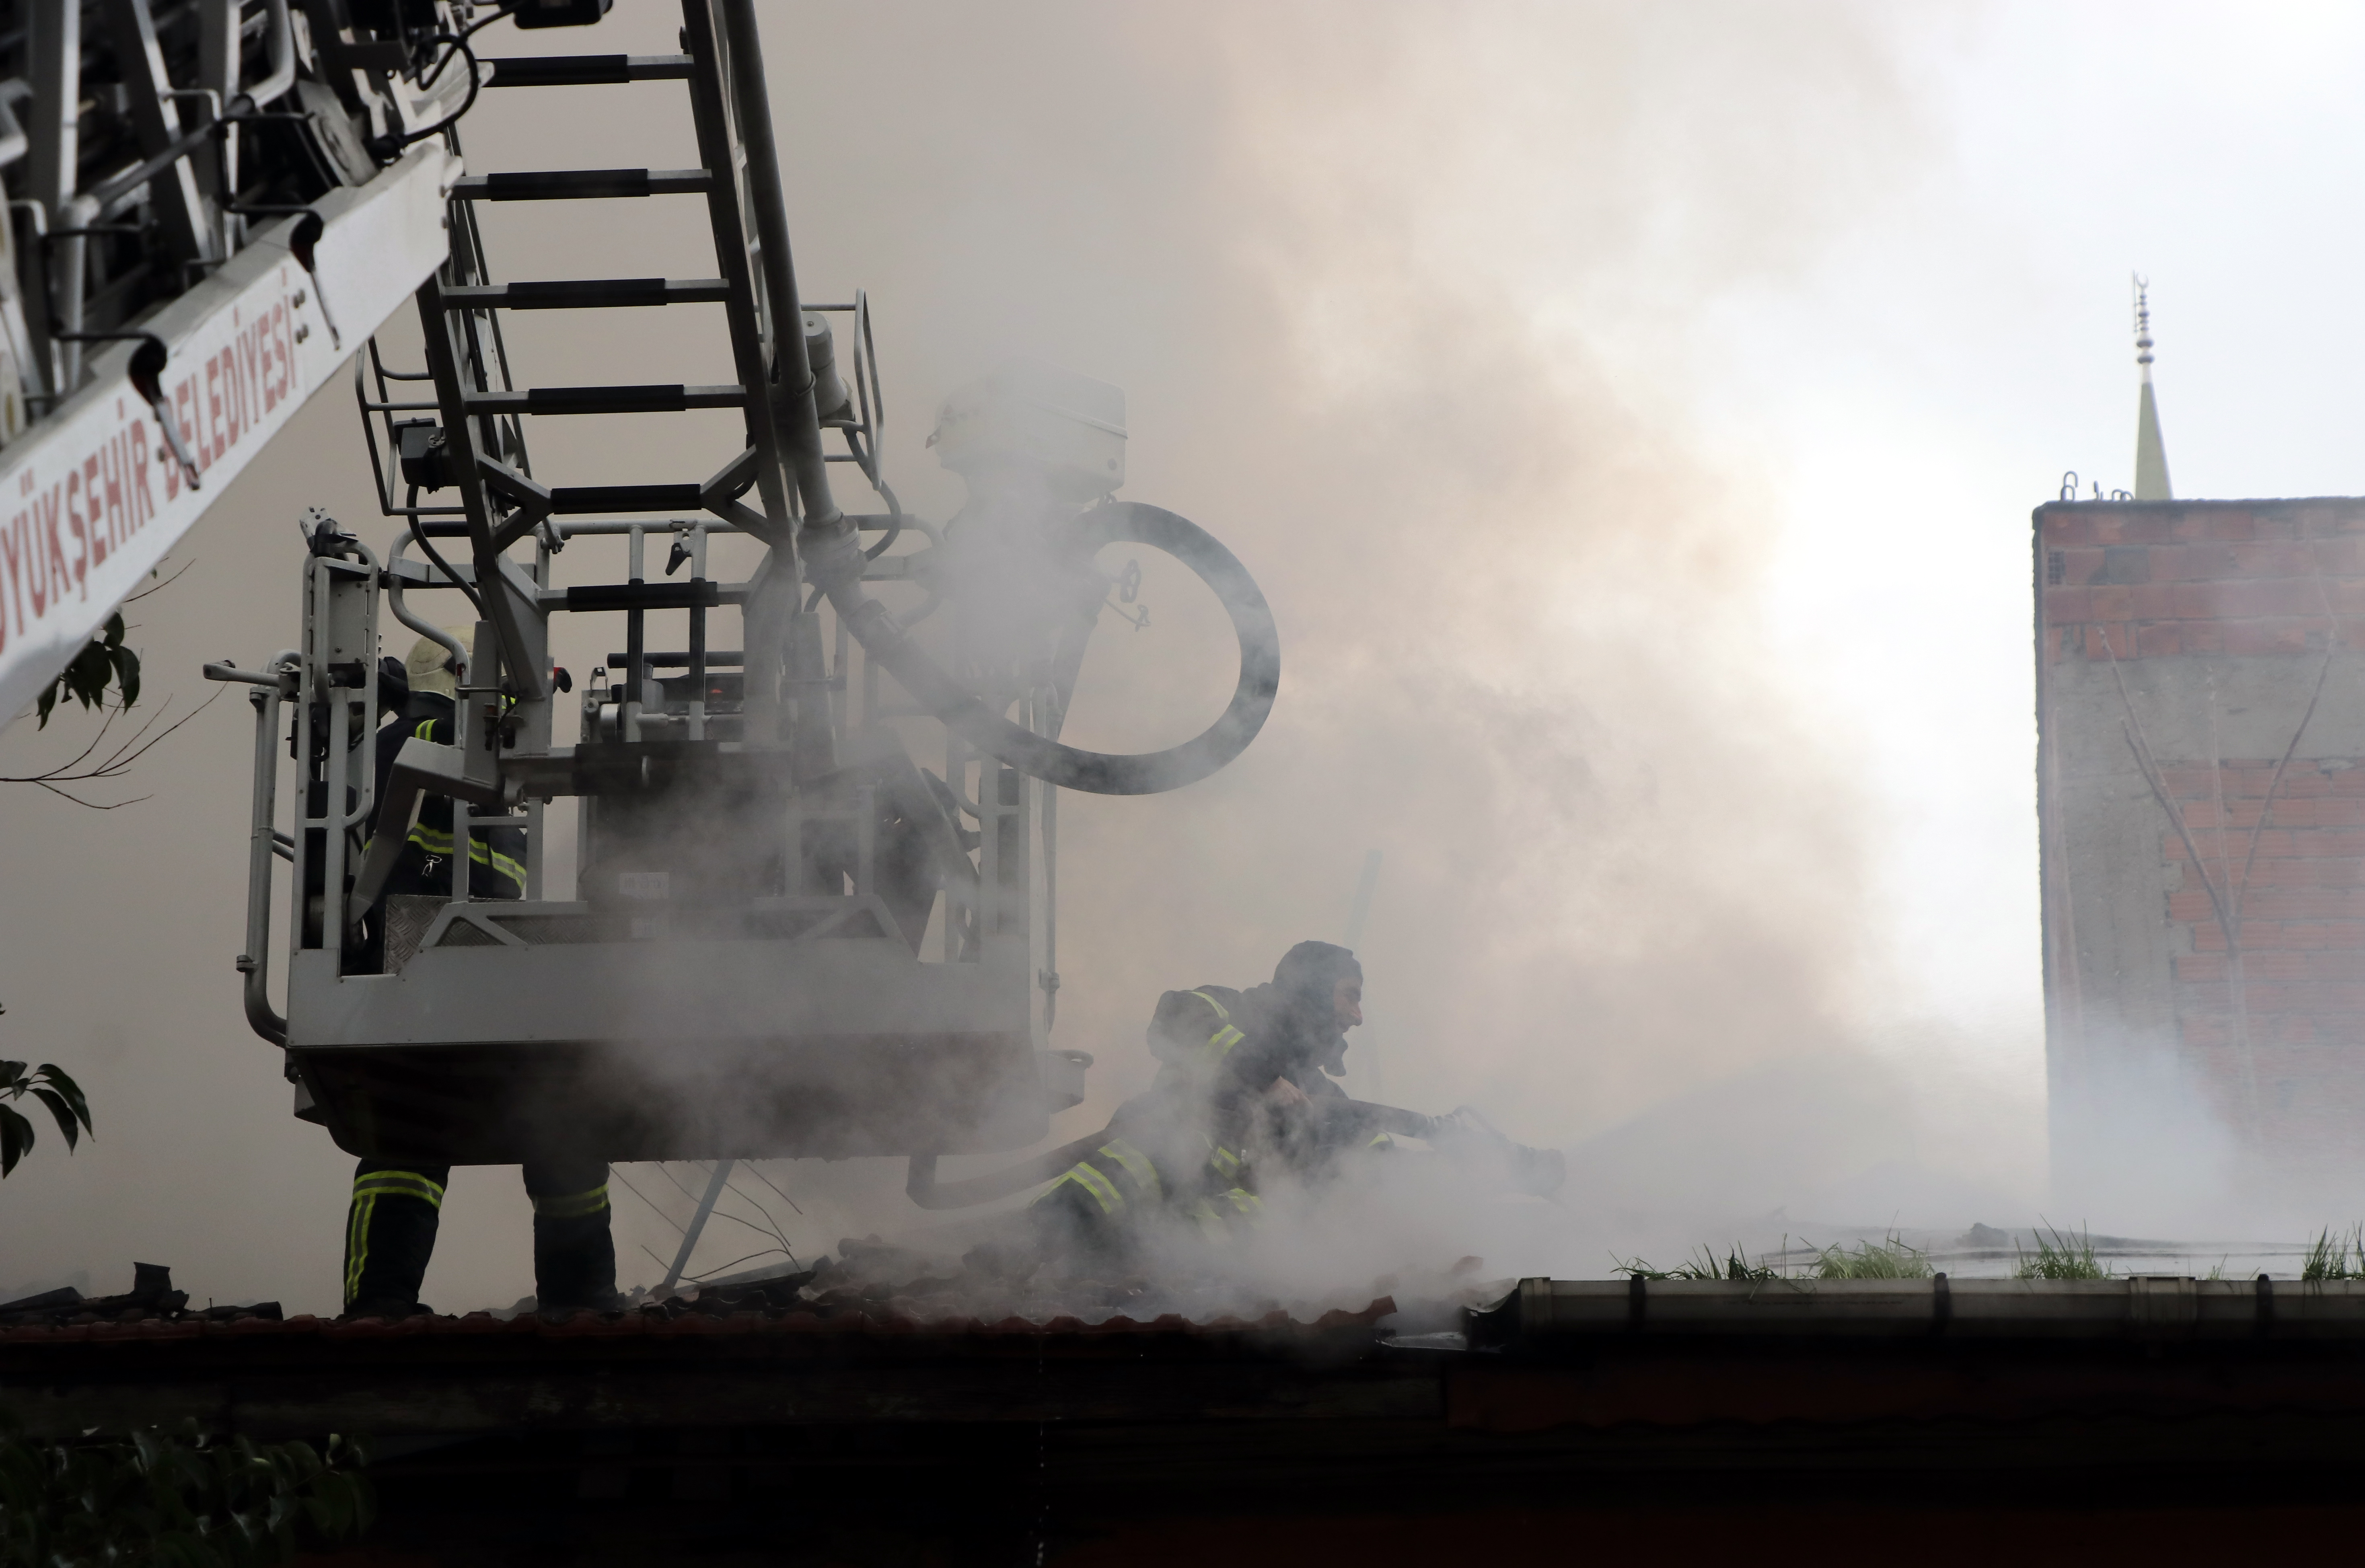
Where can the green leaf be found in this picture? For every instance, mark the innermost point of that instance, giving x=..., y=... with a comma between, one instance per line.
x=102, y=661
x=86, y=677
x=15, y=1139
x=64, y=1113
x=343, y=1502
x=12, y=1078
x=126, y=674
x=171, y=1498
x=68, y=1089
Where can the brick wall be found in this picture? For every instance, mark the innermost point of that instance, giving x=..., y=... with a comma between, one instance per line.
x=2180, y=646
x=2299, y=998
x=2200, y=577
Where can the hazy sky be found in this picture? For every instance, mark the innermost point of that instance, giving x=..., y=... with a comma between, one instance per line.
x=1635, y=413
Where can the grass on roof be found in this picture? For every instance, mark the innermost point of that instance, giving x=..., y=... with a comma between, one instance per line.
x=1703, y=1264
x=2060, y=1256
x=2335, y=1256
x=1889, y=1260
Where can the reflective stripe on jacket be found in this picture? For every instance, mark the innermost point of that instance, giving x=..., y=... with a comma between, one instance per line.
x=1217, y=1214
x=1195, y=1031
x=1117, y=1187
x=1109, y=1174
x=494, y=873
x=438, y=842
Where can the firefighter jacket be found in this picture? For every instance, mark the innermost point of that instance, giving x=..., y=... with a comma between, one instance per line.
x=1164, y=1162
x=1182, y=1150
x=1231, y=1044
x=497, y=855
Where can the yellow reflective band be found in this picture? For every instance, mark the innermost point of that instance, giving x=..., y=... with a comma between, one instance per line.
x=399, y=1183
x=1381, y=1140
x=357, y=1242
x=1219, y=1046
x=367, y=1191
x=1219, y=1043
x=435, y=841
x=1221, y=1012
x=1224, y=1161
x=572, y=1206
x=1104, y=1191
x=1246, y=1201
x=426, y=729
x=1051, y=1192
x=1137, y=1165
x=1210, y=1222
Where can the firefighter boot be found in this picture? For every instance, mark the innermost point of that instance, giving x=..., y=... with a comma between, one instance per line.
x=574, y=1252
x=390, y=1235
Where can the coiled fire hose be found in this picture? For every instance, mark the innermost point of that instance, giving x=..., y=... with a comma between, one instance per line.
x=835, y=564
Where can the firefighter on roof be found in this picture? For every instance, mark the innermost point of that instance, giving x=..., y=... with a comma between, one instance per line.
x=1245, y=1085
x=1241, y=1074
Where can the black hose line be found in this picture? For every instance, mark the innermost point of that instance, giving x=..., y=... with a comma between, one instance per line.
x=921, y=1185
x=835, y=564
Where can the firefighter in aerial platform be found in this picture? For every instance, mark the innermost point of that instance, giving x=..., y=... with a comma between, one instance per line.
x=397, y=1204
x=1246, y=1081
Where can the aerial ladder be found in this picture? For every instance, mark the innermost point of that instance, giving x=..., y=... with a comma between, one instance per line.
x=813, y=905
x=211, y=204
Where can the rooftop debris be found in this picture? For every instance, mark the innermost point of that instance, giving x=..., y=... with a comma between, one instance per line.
x=873, y=1282
x=998, y=1284
x=152, y=1298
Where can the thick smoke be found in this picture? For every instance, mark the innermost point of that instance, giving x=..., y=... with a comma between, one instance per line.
x=1402, y=299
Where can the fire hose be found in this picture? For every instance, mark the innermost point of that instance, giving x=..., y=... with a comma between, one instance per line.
x=835, y=564
x=1464, y=1137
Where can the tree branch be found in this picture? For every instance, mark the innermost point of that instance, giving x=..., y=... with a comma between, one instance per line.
x=160, y=587
x=114, y=764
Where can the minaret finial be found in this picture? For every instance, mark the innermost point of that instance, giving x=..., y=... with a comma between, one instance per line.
x=2151, y=453
x=2143, y=324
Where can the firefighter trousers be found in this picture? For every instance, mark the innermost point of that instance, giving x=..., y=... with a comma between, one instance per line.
x=396, y=1204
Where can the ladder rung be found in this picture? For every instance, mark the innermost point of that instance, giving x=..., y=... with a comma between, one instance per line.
x=590, y=293
x=703, y=594
x=586, y=70
x=574, y=501
x=672, y=399
x=728, y=658
x=581, y=185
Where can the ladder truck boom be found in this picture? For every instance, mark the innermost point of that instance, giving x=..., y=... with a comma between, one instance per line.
x=807, y=905
x=211, y=206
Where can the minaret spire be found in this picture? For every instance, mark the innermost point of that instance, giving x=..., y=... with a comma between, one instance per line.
x=2151, y=455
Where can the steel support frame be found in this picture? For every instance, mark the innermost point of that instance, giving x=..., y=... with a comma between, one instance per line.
x=472, y=996
x=340, y=619
x=156, y=114
x=54, y=47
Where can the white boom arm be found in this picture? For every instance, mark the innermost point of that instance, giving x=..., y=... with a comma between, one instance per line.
x=93, y=497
